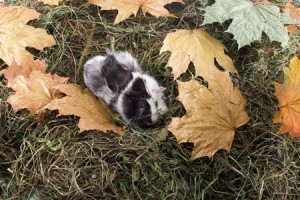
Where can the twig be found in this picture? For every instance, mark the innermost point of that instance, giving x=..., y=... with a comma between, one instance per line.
x=85, y=50
x=138, y=35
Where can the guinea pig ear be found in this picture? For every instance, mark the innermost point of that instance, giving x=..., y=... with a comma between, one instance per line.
x=159, y=89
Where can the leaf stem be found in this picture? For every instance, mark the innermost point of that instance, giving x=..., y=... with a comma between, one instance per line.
x=138, y=34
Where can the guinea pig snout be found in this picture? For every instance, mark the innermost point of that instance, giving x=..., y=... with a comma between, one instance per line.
x=154, y=118
x=150, y=119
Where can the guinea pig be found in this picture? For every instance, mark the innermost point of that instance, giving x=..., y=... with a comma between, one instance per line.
x=118, y=79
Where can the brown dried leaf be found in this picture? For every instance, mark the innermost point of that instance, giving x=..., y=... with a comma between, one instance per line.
x=292, y=11
x=212, y=116
x=35, y=92
x=50, y=2
x=198, y=47
x=292, y=28
x=30, y=65
x=15, y=35
x=93, y=113
x=128, y=7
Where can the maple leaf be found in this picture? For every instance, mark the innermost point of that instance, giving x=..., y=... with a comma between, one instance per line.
x=290, y=9
x=198, y=47
x=128, y=7
x=50, y=2
x=93, y=114
x=249, y=20
x=294, y=12
x=25, y=69
x=15, y=35
x=212, y=115
x=35, y=92
x=288, y=96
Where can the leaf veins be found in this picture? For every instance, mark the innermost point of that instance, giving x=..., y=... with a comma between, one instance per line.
x=128, y=7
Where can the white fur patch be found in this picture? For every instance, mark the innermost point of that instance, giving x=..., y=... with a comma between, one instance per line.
x=125, y=58
x=95, y=61
x=157, y=97
x=153, y=109
x=94, y=66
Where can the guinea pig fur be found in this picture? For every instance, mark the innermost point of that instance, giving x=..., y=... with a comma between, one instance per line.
x=119, y=81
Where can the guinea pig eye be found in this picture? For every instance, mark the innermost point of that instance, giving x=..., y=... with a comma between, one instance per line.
x=141, y=107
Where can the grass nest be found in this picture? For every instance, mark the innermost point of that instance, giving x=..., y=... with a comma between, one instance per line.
x=44, y=157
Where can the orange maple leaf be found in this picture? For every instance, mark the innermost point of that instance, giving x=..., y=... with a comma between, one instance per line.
x=288, y=95
x=93, y=114
x=35, y=92
x=212, y=116
x=128, y=7
x=290, y=9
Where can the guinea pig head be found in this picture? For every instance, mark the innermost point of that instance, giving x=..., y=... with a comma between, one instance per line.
x=138, y=105
x=135, y=106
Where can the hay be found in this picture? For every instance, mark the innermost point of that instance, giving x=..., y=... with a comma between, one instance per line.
x=43, y=157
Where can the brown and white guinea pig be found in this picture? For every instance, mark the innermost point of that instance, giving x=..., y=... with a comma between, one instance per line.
x=118, y=79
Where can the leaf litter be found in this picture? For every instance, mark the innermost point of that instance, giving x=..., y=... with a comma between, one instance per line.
x=37, y=90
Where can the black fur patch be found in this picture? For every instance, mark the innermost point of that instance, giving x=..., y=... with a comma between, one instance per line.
x=136, y=107
x=138, y=89
x=116, y=76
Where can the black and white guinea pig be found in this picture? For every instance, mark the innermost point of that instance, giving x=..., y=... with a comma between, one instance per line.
x=118, y=79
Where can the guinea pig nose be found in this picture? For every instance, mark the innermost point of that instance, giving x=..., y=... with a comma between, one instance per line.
x=148, y=121
x=154, y=118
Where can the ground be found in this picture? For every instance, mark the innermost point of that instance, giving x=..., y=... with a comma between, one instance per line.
x=44, y=157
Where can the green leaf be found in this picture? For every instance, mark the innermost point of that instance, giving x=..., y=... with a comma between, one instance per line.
x=249, y=20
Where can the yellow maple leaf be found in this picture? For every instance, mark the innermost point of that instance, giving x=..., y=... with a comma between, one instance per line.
x=288, y=95
x=128, y=7
x=198, y=47
x=212, y=115
x=35, y=92
x=15, y=35
x=50, y=2
x=93, y=114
